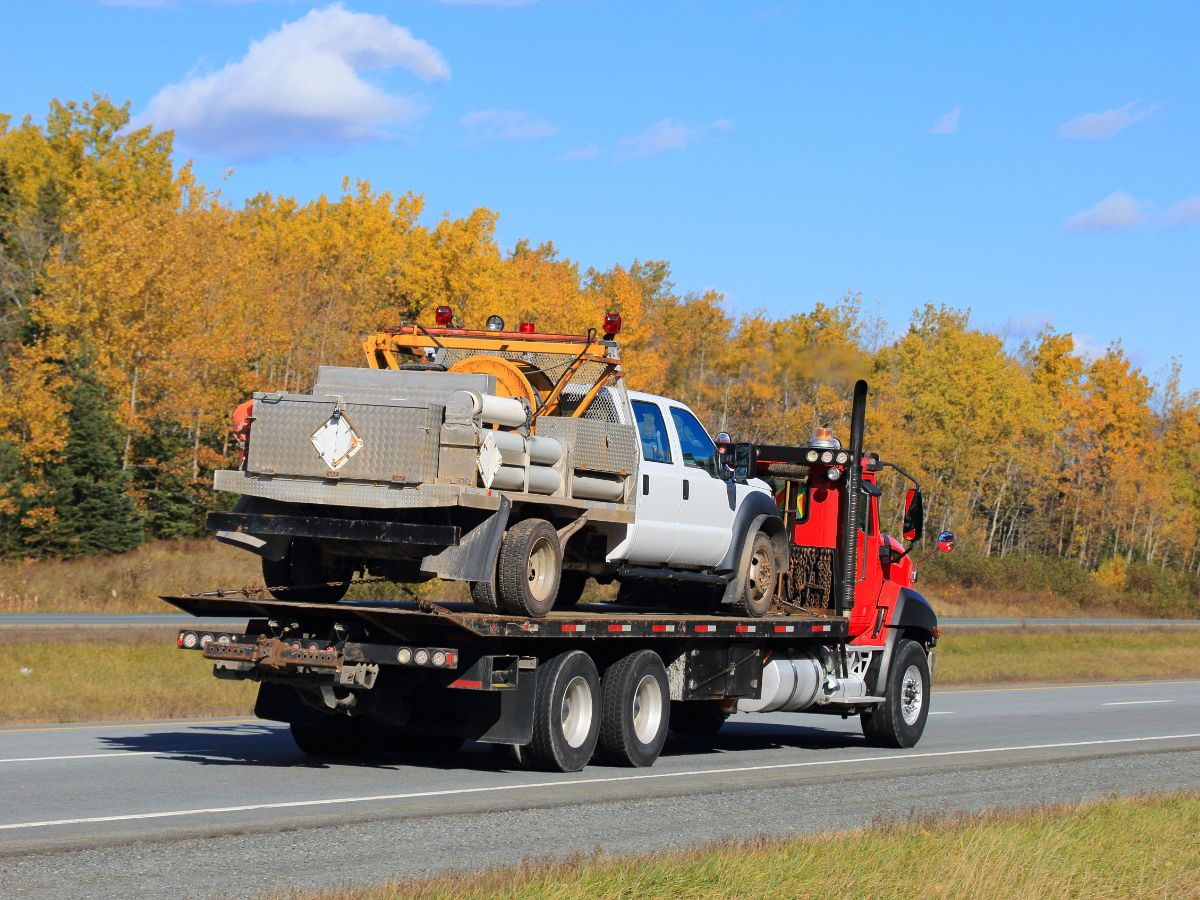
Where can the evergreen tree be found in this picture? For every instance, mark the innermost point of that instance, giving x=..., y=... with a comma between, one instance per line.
x=88, y=489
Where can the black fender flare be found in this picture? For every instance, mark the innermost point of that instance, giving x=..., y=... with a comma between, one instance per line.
x=771, y=525
x=758, y=508
x=914, y=618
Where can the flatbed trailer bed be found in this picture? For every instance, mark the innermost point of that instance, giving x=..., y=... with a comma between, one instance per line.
x=356, y=677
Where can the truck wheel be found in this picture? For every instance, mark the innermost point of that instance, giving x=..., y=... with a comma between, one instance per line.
x=900, y=719
x=635, y=707
x=529, y=568
x=570, y=589
x=758, y=581
x=307, y=573
x=338, y=739
x=697, y=718
x=566, y=713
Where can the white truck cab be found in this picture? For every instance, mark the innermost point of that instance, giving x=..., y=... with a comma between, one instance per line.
x=684, y=508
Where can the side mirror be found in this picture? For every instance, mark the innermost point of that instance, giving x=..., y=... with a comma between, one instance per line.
x=724, y=438
x=945, y=541
x=914, y=515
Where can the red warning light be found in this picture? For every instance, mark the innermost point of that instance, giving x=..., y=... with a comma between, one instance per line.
x=612, y=324
x=443, y=315
x=526, y=328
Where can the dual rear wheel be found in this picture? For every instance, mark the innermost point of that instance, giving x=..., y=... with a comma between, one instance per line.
x=622, y=717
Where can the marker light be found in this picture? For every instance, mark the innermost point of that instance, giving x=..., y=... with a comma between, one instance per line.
x=189, y=640
x=439, y=658
x=206, y=640
x=404, y=656
x=812, y=455
x=843, y=458
x=612, y=324
x=526, y=328
x=421, y=657
x=443, y=316
x=827, y=456
x=495, y=323
x=833, y=474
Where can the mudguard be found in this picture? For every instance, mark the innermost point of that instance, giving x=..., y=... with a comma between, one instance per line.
x=913, y=614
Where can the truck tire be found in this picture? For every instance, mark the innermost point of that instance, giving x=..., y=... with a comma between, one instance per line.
x=635, y=706
x=529, y=568
x=566, y=714
x=697, y=718
x=900, y=719
x=570, y=589
x=338, y=738
x=484, y=595
x=308, y=574
x=758, y=581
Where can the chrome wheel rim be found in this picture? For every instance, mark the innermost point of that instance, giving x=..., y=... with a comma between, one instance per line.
x=760, y=580
x=540, y=571
x=647, y=709
x=576, y=711
x=912, y=695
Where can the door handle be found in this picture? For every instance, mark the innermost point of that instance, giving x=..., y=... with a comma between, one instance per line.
x=645, y=484
x=685, y=489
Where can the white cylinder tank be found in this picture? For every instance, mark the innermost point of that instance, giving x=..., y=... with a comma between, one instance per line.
x=788, y=685
x=545, y=451
x=542, y=480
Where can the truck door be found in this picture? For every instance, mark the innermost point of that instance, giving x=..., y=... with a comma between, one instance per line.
x=706, y=519
x=660, y=490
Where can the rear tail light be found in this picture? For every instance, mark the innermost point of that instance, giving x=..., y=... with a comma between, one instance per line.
x=443, y=315
x=526, y=328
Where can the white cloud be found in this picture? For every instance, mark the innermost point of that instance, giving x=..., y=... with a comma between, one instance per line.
x=948, y=123
x=1088, y=347
x=299, y=87
x=1185, y=212
x=667, y=135
x=576, y=154
x=1116, y=212
x=1103, y=125
x=485, y=125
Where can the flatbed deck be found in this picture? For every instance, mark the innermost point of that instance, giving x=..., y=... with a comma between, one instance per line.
x=406, y=620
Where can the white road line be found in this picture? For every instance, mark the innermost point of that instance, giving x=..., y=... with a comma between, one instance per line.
x=121, y=753
x=566, y=783
x=943, y=712
x=1133, y=702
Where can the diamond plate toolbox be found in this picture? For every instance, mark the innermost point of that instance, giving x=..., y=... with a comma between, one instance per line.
x=595, y=446
x=399, y=438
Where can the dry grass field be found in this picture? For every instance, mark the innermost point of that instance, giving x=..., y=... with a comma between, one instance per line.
x=1115, y=848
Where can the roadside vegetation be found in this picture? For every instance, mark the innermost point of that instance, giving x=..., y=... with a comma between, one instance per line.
x=92, y=674
x=1114, y=848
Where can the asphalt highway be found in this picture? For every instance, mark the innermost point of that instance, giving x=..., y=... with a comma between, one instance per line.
x=225, y=807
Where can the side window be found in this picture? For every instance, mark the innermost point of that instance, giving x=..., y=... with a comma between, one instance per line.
x=656, y=445
x=699, y=451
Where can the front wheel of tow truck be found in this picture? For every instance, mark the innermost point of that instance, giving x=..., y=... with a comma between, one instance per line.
x=307, y=573
x=635, y=707
x=758, y=581
x=566, y=714
x=529, y=568
x=900, y=719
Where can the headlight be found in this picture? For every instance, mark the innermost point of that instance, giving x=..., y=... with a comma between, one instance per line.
x=495, y=323
x=812, y=455
x=833, y=474
x=827, y=456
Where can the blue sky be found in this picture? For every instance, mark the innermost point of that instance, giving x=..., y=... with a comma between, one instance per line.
x=1034, y=163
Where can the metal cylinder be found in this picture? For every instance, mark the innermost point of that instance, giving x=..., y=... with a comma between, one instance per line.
x=788, y=685
x=493, y=410
x=588, y=487
x=544, y=451
x=542, y=479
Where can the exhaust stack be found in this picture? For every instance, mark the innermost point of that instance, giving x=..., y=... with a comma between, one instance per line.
x=858, y=417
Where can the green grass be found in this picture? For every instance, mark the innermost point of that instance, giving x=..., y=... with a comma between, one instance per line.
x=86, y=677
x=990, y=656
x=1115, y=848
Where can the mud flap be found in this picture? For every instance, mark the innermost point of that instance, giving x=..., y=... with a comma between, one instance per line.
x=474, y=557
